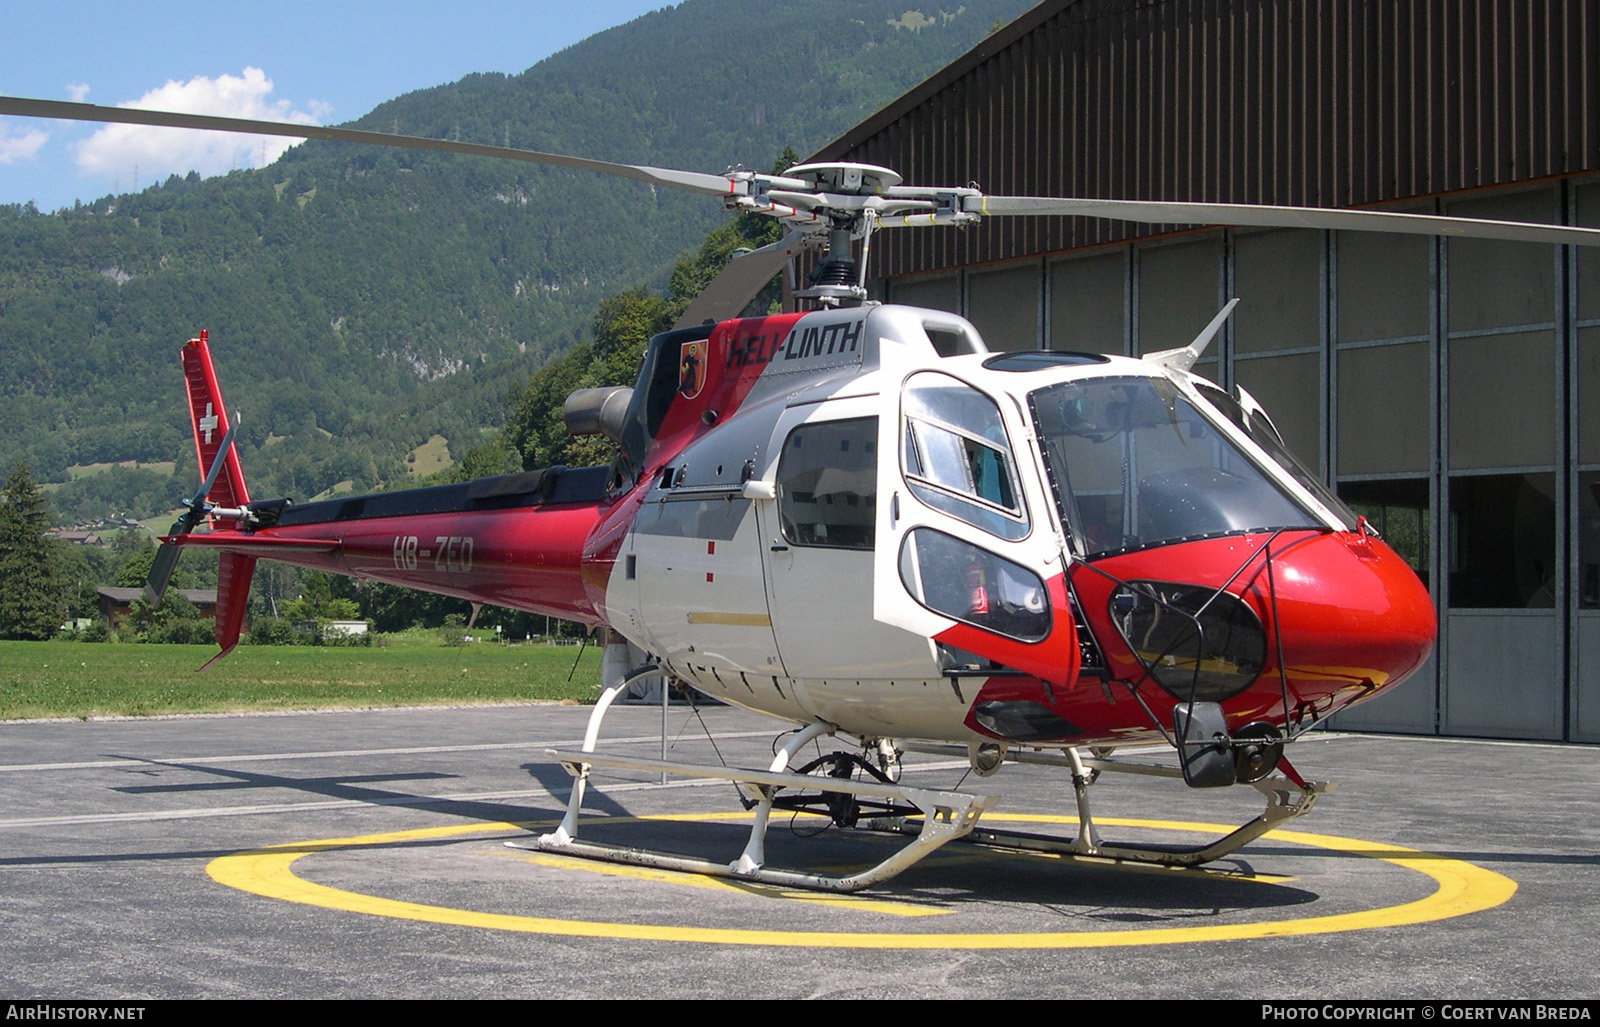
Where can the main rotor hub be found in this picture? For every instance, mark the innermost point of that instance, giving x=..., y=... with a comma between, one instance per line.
x=851, y=179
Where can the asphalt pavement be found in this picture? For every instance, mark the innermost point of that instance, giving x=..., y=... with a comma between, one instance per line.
x=362, y=855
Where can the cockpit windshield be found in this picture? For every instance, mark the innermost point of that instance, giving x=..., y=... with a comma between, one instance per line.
x=1133, y=464
x=1264, y=435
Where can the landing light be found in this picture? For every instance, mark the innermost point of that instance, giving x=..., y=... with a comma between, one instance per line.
x=986, y=757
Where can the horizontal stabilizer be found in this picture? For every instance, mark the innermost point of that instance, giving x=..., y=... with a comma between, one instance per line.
x=256, y=545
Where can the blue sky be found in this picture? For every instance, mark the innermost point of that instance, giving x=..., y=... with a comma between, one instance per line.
x=324, y=62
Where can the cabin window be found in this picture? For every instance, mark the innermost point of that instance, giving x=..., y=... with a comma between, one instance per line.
x=957, y=458
x=961, y=581
x=828, y=484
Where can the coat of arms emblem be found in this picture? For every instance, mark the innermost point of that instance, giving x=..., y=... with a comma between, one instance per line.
x=692, y=368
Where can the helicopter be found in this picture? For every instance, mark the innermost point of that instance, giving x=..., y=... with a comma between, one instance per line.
x=862, y=521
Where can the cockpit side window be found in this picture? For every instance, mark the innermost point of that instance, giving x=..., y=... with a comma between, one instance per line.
x=956, y=456
x=828, y=484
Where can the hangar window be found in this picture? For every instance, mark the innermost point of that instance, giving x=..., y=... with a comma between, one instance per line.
x=1398, y=509
x=1502, y=542
x=1589, y=540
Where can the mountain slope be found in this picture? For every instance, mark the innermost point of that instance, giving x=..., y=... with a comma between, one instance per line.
x=384, y=296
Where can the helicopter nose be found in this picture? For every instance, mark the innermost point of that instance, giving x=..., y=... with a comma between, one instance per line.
x=1351, y=612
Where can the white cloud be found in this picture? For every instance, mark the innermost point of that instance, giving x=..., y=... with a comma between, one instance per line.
x=150, y=154
x=22, y=146
x=79, y=91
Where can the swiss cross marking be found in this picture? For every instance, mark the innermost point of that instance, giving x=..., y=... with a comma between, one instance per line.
x=208, y=423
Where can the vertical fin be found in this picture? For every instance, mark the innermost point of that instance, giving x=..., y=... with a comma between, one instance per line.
x=233, y=595
x=213, y=432
x=210, y=419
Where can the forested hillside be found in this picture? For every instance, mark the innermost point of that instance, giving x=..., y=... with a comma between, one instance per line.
x=360, y=300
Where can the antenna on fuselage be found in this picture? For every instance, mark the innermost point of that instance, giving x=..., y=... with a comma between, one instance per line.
x=1183, y=359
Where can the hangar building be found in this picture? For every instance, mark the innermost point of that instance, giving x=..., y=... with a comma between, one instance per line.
x=1448, y=389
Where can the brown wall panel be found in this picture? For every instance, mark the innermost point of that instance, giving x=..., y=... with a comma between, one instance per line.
x=1313, y=102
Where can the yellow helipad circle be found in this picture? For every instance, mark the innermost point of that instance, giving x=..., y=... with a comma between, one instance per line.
x=1462, y=888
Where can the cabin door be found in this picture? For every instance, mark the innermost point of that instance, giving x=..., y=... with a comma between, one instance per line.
x=965, y=554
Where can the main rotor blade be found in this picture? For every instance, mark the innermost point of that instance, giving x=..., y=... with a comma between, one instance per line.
x=737, y=284
x=1156, y=212
x=693, y=181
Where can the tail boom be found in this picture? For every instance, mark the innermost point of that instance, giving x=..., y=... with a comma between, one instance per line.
x=524, y=558
x=514, y=540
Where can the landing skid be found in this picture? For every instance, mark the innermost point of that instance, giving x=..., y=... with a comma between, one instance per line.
x=1286, y=800
x=945, y=817
x=940, y=817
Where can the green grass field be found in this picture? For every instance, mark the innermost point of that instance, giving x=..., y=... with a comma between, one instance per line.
x=83, y=679
x=77, y=471
x=429, y=458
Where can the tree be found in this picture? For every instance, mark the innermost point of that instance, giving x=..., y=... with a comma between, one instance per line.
x=317, y=601
x=84, y=569
x=393, y=608
x=137, y=551
x=175, y=621
x=32, y=594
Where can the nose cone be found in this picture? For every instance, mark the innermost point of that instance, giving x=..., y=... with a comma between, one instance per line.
x=1351, y=613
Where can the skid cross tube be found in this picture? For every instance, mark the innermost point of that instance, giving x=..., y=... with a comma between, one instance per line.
x=945, y=815
x=569, y=823
x=755, y=851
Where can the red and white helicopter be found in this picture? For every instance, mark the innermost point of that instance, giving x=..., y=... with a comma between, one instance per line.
x=863, y=522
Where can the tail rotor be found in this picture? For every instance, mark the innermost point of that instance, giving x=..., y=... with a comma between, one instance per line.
x=198, y=510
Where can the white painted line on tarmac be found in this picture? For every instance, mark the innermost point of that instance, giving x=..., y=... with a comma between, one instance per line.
x=208, y=812
x=202, y=813
x=135, y=761
x=1440, y=739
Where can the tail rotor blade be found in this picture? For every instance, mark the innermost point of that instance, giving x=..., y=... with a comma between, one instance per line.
x=211, y=475
x=155, y=586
